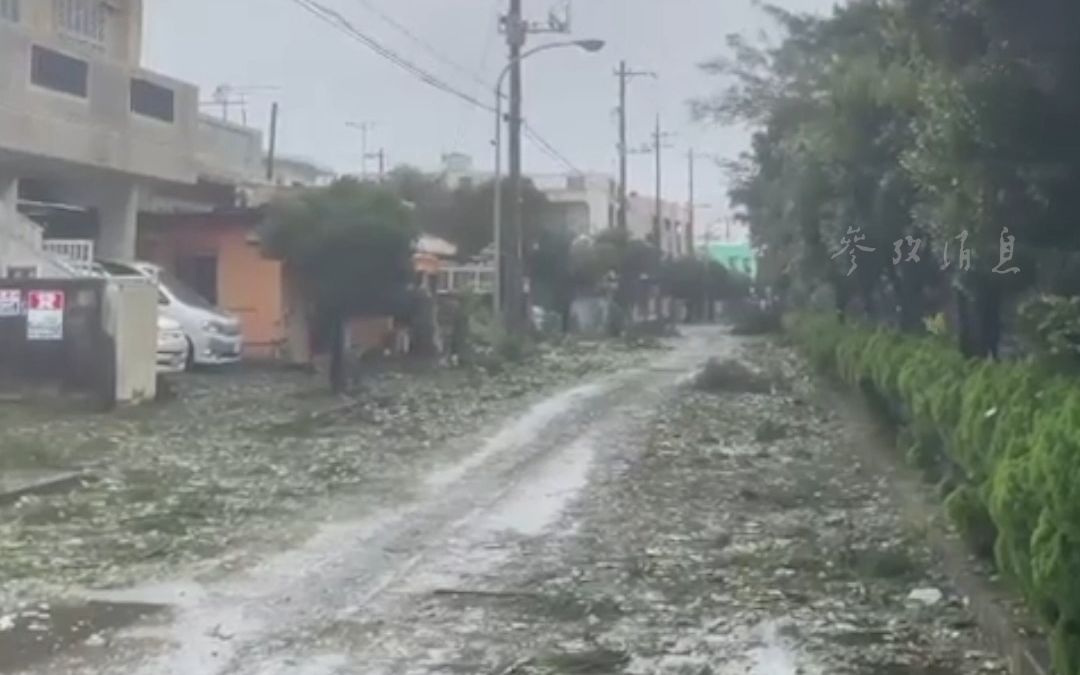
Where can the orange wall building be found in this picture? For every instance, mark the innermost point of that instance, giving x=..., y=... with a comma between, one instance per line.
x=218, y=255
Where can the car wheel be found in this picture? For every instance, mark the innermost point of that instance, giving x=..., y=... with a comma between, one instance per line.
x=189, y=360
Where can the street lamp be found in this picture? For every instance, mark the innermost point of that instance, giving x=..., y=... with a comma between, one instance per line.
x=591, y=46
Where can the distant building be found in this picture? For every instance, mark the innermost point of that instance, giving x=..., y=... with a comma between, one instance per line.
x=458, y=171
x=89, y=138
x=582, y=203
x=585, y=204
x=674, y=223
x=296, y=172
x=736, y=256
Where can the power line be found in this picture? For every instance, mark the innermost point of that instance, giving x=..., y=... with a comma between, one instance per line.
x=464, y=122
x=424, y=44
x=334, y=19
x=339, y=22
x=548, y=149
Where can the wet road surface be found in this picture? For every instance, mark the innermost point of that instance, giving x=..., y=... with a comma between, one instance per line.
x=578, y=537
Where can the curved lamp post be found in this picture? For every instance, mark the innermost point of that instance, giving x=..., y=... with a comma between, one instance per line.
x=587, y=45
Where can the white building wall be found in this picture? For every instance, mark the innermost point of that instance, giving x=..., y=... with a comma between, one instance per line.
x=641, y=216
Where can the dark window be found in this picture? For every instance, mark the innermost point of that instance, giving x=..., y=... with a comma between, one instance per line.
x=200, y=273
x=22, y=272
x=9, y=9
x=59, y=72
x=152, y=100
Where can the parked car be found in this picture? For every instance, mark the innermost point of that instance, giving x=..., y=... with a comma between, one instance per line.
x=172, y=346
x=213, y=335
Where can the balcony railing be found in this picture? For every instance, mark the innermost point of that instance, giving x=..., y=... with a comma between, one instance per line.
x=478, y=279
x=73, y=250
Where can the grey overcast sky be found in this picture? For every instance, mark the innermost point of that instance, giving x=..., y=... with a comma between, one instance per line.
x=326, y=79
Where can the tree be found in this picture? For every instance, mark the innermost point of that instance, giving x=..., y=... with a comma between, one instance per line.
x=699, y=282
x=463, y=215
x=350, y=245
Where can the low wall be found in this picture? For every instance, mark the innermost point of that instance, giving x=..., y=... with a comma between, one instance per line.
x=88, y=336
x=76, y=354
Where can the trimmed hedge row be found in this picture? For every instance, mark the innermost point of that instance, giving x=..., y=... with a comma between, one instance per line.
x=1010, y=435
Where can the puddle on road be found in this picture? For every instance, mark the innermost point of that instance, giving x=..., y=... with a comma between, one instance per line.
x=521, y=432
x=36, y=633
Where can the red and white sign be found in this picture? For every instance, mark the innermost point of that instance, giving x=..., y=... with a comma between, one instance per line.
x=45, y=315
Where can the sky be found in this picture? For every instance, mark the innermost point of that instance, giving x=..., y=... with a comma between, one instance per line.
x=323, y=79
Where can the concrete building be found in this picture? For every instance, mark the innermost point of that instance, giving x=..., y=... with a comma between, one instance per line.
x=297, y=172
x=584, y=203
x=675, y=221
x=736, y=256
x=458, y=171
x=89, y=138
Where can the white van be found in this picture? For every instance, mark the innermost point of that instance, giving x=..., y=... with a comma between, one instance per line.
x=214, y=336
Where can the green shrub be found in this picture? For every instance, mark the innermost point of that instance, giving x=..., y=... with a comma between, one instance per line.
x=1009, y=434
x=1050, y=325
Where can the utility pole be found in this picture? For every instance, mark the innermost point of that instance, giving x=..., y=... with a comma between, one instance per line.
x=517, y=29
x=271, y=155
x=381, y=156
x=692, y=206
x=516, y=33
x=363, y=127
x=624, y=75
x=658, y=146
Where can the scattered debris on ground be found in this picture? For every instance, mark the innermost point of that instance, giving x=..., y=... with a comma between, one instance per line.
x=237, y=454
x=733, y=376
x=700, y=551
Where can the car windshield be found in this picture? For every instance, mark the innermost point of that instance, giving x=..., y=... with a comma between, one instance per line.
x=184, y=293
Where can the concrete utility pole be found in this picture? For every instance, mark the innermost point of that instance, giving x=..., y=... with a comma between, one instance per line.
x=497, y=221
x=658, y=146
x=513, y=311
x=690, y=216
x=517, y=30
x=624, y=75
x=363, y=127
x=271, y=156
x=381, y=156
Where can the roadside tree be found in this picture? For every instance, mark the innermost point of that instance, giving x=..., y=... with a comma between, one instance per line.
x=350, y=245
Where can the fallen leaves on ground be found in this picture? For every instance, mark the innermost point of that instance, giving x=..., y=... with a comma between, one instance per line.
x=238, y=457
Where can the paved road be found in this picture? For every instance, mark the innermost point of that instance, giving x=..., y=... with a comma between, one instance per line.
x=295, y=613
x=627, y=525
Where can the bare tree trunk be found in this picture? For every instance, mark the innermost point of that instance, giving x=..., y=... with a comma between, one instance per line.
x=338, y=379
